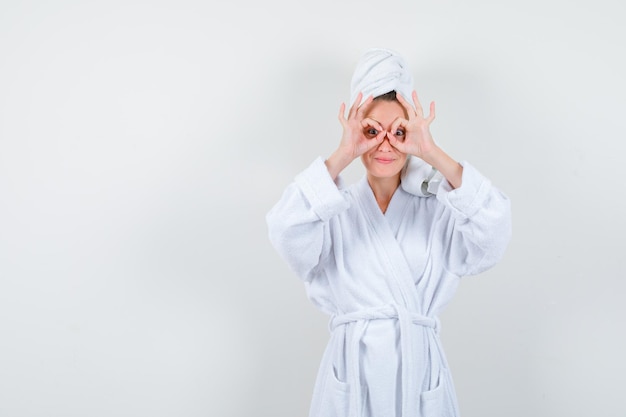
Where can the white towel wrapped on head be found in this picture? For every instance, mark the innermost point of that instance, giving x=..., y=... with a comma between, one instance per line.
x=380, y=71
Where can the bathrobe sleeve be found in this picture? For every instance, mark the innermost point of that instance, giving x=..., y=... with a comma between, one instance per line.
x=298, y=222
x=480, y=228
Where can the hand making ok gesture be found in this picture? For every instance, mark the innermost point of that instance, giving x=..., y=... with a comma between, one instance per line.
x=417, y=138
x=355, y=140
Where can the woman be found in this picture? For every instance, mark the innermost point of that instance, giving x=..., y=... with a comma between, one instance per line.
x=384, y=256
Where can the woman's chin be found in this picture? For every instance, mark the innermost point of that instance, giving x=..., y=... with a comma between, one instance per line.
x=389, y=172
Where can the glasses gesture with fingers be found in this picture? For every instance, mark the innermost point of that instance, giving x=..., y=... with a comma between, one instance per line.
x=412, y=135
x=360, y=133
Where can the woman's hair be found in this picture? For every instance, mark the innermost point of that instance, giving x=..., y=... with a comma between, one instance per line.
x=390, y=96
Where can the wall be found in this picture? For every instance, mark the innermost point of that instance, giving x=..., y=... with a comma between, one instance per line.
x=142, y=143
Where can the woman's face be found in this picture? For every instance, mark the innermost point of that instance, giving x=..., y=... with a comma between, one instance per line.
x=384, y=161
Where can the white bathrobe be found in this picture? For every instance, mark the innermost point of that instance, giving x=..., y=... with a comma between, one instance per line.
x=384, y=279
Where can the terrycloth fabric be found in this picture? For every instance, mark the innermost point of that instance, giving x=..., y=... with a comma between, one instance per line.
x=383, y=279
x=380, y=71
x=419, y=178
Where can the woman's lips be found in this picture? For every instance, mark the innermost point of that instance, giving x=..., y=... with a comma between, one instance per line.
x=384, y=160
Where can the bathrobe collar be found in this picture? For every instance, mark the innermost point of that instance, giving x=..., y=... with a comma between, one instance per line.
x=385, y=227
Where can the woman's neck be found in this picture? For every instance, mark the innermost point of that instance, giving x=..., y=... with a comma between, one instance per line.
x=383, y=189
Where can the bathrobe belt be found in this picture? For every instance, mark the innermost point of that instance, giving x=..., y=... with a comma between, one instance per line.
x=406, y=318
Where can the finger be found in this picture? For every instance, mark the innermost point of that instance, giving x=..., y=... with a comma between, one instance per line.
x=363, y=106
x=342, y=113
x=375, y=141
x=367, y=125
x=410, y=111
x=367, y=122
x=431, y=116
x=418, y=106
x=392, y=138
x=355, y=106
x=397, y=123
x=393, y=141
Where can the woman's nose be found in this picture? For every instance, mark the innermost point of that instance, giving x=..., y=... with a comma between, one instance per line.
x=385, y=146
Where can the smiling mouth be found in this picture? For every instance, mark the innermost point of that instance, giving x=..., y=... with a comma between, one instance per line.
x=384, y=160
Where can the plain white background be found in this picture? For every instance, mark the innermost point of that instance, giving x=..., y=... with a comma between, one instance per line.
x=142, y=143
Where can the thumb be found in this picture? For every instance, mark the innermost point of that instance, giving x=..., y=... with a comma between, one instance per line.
x=393, y=140
x=374, y=142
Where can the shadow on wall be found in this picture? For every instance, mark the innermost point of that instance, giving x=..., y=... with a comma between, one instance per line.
x=294, y=122
x=300, y=102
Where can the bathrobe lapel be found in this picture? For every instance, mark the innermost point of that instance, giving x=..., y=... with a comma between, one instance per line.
x=396, y=209
x=385, y=228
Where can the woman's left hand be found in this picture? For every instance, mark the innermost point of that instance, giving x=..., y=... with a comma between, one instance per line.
x=413, y=136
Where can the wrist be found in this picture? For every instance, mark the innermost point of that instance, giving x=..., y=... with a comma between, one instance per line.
x=337, y=162
x=431, y=155
x=445, y=164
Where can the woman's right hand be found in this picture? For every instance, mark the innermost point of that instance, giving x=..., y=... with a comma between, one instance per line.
x=360, y=134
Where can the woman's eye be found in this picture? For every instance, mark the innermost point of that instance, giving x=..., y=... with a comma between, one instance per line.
x=371, y=132
x=399, y=132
